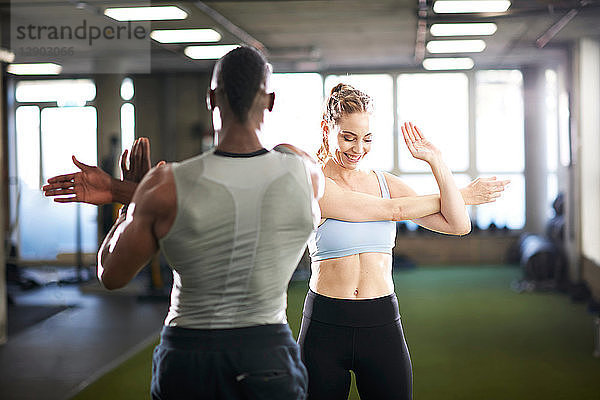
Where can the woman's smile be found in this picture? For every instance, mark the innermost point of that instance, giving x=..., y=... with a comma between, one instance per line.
x=354, y=158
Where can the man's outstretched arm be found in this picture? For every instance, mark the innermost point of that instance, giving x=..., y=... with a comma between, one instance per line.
x=94, y=186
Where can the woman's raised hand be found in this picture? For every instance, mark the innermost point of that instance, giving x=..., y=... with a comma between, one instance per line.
x=419, y=147
x=483, y=190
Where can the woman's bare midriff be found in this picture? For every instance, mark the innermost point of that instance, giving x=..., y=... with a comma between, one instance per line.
x=357, y=276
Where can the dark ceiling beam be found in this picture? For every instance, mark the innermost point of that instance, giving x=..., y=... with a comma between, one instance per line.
x=421, y=32
x=230, y=27
x=555, y=28
x=560, y=24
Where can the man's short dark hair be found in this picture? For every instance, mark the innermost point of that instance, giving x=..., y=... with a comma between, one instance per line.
x=242, y=71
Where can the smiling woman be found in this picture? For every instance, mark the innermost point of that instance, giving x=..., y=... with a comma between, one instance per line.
x=351, y=319
x=344, y=100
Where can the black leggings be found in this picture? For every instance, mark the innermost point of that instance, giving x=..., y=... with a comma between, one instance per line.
x=364, y=336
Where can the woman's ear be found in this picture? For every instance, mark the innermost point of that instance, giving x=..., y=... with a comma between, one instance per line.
x=325, y=127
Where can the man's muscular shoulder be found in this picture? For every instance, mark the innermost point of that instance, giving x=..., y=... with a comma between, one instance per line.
x=156, y=192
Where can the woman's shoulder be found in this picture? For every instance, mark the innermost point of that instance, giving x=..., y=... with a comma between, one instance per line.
x=398, y=188
x=391, y=177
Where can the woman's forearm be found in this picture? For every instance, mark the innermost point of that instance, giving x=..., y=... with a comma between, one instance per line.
x=361, y=207
x=420, y=206
x=411, y=207
x=452, y=204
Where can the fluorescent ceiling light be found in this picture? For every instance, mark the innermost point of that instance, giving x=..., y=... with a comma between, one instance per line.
x=185, y=35
x=59, y=90
x=209, y=52
x=455, y=46
x=56, y=90
x=475, y=29
x=470, y=6
x=34, y=69
x=436, y=64
x=145, y=13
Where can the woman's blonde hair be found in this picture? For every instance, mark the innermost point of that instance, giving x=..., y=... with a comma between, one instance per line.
x=343, y=100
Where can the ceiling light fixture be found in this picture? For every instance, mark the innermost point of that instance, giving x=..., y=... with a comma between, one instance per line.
x=34, y=69
x=456, y=46
x=145, y=13
x=470, y=6
x=185, y=35
x=437, y=64
x=208, y=52
x=474, y=29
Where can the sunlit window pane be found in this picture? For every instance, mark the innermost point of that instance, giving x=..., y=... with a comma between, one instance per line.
x=564, y=130
x=425, y=184
x=82, y=139
x=127, y=90
x=72, y=92
x=499, y=121
x=28, y=146
x=551, y=120
x=380, y=88
x=508, y=210
x=79, y=133
x=46, y=228
x=127, y=126
x=439, y=105
x=296, y=116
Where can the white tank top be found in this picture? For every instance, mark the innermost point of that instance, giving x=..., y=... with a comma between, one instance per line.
x=241, y=227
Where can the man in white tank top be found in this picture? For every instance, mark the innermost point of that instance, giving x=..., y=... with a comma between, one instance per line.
x=233, y=224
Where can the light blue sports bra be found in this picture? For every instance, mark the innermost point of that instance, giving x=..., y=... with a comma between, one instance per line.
x=335, y=238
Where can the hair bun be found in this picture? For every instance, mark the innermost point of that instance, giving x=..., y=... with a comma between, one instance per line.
x=338, y=88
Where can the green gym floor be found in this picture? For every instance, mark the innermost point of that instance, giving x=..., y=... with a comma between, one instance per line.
x=469, y=335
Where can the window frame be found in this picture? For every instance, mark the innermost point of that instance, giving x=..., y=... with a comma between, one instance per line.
x=13, y=173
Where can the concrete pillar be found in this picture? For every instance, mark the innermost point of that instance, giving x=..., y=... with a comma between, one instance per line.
x=108, y=108
x=169, y=120
x=589, y=147
x=535, y=149
x=572, y=186
x=149, y=112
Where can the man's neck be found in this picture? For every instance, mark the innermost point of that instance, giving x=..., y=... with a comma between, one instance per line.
x=238, y=138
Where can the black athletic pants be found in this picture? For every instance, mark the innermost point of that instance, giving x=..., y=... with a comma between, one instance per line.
x=259, y=362
x=364, y=336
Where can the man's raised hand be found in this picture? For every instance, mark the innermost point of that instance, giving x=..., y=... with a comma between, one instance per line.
x=139, y=161
x=90, y=185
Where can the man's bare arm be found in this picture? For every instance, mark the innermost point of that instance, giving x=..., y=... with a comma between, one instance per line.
x=133, y=239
